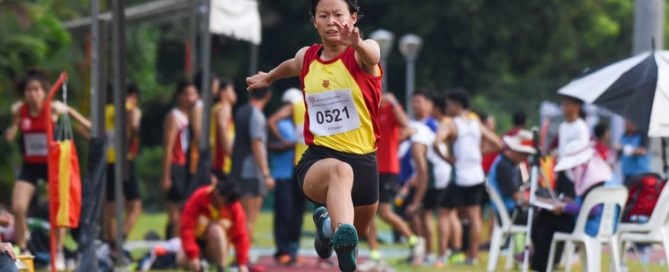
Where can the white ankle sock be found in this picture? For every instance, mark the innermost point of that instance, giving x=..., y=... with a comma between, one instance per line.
x=327, y=228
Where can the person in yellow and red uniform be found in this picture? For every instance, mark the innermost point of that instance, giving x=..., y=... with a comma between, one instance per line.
x=133, y=203
x=341, y=82
x=213, y=219
x=223, y=128
x=30, y=118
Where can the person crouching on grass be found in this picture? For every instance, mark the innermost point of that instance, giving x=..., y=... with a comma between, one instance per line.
x=212, y=219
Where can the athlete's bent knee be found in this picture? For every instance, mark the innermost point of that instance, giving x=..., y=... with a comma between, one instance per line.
x=342, y=173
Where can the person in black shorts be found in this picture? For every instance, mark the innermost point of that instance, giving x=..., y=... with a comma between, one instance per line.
x=395, y=122
x=432, y=176
x=250, y=167
x=176, y=141
x=30, y=118
x=133, y=204
x=465, y=134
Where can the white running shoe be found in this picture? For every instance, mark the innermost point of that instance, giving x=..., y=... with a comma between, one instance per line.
x=60, y=261
x=419, y=251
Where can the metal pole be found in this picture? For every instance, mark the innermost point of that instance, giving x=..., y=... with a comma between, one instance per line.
x=665, y=165
x=206, y=82
x=648, y=27
x=103, y=68
x=92, y=187
x=253, y=63
x=534, y=182
x=410, y=84
x=118, y=55
x=192, y=39
x=97, y=97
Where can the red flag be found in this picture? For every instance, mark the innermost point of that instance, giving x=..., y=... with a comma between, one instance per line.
x=64, y=177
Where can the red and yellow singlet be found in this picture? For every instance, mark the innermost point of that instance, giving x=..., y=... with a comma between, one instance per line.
x=221, y=160
x=34, y=132
x=342, y=102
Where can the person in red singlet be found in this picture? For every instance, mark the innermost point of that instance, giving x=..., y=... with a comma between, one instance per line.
x=341, y=82
x=176, y=140
x=31, y=120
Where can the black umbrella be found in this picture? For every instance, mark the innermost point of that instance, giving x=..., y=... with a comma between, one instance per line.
x=636, y=88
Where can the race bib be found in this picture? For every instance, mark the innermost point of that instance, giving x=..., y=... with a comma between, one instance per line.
x=35, y=144
x=332, y=112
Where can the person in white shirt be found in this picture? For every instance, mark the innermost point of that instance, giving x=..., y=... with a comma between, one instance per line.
x=433, y=174
x=572, y=129
x=465, y=134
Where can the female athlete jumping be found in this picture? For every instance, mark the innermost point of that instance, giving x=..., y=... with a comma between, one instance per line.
x=341, y=82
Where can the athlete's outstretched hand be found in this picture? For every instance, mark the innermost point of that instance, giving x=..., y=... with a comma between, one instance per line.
x=348, y=35
x=258, y=81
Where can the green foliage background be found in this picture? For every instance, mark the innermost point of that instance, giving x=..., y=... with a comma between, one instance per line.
x=509, y=54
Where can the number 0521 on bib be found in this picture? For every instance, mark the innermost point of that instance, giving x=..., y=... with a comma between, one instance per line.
x=332, y=112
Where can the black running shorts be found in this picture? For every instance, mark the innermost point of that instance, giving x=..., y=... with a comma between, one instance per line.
x=179, y=189
x=388, y=186
x=365, y=172
x=34, y=172
x=130, y=183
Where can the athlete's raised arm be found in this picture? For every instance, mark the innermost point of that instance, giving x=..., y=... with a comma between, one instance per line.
x=287, y=69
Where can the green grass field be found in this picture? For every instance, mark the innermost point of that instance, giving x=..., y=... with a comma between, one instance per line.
x=263, y=238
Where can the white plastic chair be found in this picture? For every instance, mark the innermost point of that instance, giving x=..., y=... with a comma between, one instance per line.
x=610, y=197
x=503, y=229
x=656, y=230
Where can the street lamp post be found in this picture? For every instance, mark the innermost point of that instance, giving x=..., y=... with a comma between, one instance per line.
x=410, y=45
x=385, y=40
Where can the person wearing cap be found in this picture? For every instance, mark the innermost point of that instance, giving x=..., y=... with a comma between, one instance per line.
x=505, y=176
x=581, y=164
x=288, y=215
x=213, y=218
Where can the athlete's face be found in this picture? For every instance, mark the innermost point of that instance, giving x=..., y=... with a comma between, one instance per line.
x=421, y=105
x=229, y=94
x=215, y=87
x=189, y=96
x=327, y=13
x=453, y=108
x=34, y=93
x=570, y=109
x=630, y=127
